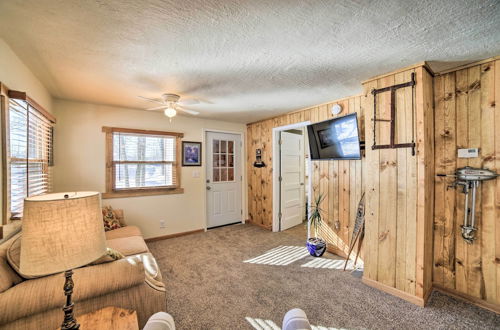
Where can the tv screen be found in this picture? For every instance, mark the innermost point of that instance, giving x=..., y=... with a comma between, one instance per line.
x=336, y=138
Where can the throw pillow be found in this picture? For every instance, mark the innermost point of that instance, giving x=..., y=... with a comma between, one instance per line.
x=110, y=219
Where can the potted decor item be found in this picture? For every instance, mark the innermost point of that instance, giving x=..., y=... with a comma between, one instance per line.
x=316, y=245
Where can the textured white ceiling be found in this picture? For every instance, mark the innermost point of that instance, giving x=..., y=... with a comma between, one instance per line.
x=247, y=59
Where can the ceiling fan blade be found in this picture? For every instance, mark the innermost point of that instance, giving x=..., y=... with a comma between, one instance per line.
x=191, y=112
x=156, y=100
x=188, y=101
x=158, y=108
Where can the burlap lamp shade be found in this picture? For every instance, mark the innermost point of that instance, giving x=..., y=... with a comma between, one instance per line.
x=60, y=234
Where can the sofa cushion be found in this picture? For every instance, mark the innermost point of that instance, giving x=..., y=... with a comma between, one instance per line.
x=126, y=231
x=45, y=293
x=128, y=245
x=8, y=276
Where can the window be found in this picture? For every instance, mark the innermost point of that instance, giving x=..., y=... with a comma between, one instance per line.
x=29, y=151
x=141, y=162
x=223, y=158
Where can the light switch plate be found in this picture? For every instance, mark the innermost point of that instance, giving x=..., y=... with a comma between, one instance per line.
x=468, y=153
x=195, y=174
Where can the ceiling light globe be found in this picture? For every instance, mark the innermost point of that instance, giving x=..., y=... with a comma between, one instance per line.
x=170, y=112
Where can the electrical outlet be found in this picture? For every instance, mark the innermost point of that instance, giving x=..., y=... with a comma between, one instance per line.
x=163, y=224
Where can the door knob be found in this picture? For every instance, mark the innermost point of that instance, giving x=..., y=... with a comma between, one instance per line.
x=208, y=188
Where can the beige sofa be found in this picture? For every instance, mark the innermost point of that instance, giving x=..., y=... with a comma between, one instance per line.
x=134, y=282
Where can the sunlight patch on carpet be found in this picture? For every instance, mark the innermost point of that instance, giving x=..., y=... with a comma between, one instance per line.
x=280, y=256
x=260, y=324
x=329, y=264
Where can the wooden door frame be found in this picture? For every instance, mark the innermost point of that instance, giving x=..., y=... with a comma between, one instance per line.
x=242, y=173
x=276, y=165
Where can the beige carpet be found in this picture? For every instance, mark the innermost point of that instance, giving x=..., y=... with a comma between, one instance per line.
x=209, y=286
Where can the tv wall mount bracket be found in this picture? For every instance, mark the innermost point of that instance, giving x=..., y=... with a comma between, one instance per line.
x=392, y=144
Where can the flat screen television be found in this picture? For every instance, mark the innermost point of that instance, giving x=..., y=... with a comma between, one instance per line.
x=336, y=138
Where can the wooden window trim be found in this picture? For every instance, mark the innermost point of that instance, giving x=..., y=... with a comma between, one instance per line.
x=137, y=192
x=4, y=138
x=5, y=95
x=23, y=96
x=107, y=129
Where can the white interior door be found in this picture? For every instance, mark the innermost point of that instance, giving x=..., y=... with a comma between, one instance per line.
x=292, y=176
x=223, y=179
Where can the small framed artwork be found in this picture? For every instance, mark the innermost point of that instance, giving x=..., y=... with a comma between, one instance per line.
x=191, y=153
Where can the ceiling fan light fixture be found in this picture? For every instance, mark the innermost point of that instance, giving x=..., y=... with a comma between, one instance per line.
x=170, y=112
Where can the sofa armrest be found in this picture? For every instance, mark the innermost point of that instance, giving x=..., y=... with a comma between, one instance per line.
x=37, y=295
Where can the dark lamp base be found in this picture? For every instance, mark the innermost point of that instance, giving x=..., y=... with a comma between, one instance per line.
x=69, y=319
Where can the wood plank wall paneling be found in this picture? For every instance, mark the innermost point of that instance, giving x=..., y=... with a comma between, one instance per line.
x=465, y=103
x=398, y=189
x=412, y=220
x=340, y=181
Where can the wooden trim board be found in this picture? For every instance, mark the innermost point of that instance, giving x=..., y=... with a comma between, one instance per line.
x=410, y=67
x=307, y=108
x=159, y=238
x=468, y=65
x=397, y=293
x=107, y=129
x=249, y=221
x=473, y=300
x=140, y=193
x=23, y=96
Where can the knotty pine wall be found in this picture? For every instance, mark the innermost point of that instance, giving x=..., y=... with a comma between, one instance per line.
x=399, y=189
x=467, y=116
x=413, y=239
x=340, y=181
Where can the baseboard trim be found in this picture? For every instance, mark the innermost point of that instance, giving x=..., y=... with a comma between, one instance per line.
x=159, y=238
x=470, y=299
x=227, y=224
x=396, y=292
x=335, y=250
x=258, y=224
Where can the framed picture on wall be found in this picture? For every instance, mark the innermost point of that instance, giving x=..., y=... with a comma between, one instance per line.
x=191, y=153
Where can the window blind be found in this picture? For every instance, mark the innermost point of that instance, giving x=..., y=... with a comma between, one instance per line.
x=142, y=161
x=30, y=153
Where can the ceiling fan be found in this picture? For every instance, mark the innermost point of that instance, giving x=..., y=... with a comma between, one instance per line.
x=171, y=103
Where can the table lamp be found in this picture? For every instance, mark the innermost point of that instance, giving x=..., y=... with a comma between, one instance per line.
x=60, y=232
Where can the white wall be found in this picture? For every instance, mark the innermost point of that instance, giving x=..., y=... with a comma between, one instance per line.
x=16, y=76
x=80, y=163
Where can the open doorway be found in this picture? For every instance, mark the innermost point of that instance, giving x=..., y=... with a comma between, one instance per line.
x=291, y=177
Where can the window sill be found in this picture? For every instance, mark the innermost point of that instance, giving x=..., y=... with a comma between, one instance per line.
x=139, y=193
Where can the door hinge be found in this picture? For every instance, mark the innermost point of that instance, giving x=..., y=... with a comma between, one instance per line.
x=280, y=178
x=241, y=212
x=280, y=141
x=280, y=215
